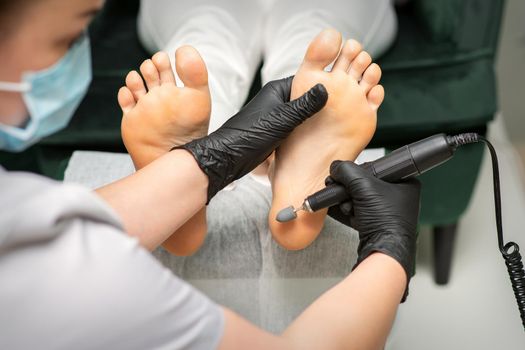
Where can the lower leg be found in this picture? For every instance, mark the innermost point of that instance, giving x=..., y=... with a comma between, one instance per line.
x=230, y=46
x=340, y=131
x=159, y=115
x=290, y=28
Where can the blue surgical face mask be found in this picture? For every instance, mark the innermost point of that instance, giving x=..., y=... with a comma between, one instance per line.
x=51, y=96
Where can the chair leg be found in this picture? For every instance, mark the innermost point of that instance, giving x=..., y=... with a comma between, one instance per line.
x=444, y=237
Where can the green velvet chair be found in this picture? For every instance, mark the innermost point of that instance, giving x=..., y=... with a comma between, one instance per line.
x=439, y=77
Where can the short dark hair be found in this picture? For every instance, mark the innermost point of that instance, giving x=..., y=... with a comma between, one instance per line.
x=6, y=6
x=8, y=9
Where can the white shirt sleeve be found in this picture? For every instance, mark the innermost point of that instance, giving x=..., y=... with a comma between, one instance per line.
x=84, y=284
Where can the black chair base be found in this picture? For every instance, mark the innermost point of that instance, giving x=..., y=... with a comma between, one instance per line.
x=443, y=245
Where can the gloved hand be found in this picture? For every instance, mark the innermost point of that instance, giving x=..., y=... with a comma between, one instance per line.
x=385, y=214
x=250, y=136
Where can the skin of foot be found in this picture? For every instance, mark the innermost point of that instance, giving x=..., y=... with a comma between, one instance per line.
x=158, y=115
x=340, y=131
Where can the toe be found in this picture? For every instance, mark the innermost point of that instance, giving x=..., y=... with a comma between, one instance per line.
x=371, y=77
x=126, y=99
x=350, y=50
x=150, y=74
x=162, y=62
x=375, y=96
x=359, y=64
x=323, y=49
x=135, y=84
x=191, y=67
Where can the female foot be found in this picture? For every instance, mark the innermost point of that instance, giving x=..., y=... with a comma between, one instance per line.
x=341, y=130
x=158, y=116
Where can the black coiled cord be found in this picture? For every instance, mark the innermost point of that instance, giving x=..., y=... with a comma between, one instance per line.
x=514, y=263
x=511, y=250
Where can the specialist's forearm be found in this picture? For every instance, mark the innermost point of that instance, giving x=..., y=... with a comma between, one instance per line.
x=357, y=313
x=156, y=200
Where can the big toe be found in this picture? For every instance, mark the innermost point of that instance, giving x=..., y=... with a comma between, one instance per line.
x=323, y=50
x=191, y=67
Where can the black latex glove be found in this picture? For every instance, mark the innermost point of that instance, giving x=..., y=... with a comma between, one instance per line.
x=250, y=136
x=384, y=214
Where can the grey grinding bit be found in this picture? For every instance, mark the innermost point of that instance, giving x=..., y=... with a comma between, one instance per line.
x=287, y=214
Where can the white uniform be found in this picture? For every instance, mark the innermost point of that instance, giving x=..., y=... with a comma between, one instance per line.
x=71, y=279
x=234, y=35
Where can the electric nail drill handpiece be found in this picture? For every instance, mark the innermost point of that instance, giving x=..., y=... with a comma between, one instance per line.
x=410, y=160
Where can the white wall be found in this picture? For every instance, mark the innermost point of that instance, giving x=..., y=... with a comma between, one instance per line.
x=511, y=71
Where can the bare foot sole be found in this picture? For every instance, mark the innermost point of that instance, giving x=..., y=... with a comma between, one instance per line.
x=340, y=131
x=158, y=115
